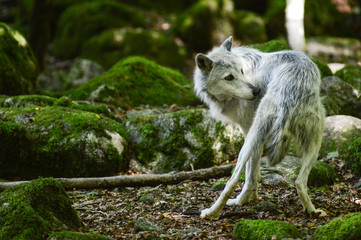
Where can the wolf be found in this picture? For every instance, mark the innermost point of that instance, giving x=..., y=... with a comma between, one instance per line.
x=274, y=98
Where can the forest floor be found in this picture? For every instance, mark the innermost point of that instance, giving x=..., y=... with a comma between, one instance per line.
x=114, y=212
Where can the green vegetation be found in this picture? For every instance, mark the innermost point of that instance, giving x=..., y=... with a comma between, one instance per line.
x=351, y=152
x=18, y=68
x=271, y=46
x=321, y=174
x=65, y=235
x=264, y=230
x=346, y=227
x=249, y=27
x=134, y=81
x=31, y=210
x=81, y=21
x=351, y=74
x=112, y=45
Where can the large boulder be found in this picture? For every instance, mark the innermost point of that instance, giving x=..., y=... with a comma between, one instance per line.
x=18, y=66
x=112, y=45
x=346, y=227
x=134, y=81
x=339, y=131
x=33, y=210
x=180, y=140
x=340, y=97
x=264, y=230
x=55, y=138
x=351, y=73
x=81, y=21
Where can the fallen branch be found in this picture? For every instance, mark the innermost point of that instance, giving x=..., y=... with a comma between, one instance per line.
x=137, y=180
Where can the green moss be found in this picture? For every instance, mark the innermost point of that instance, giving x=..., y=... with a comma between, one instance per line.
x=351, y=152
x=43, y=101
x=249, y=27
x=264, y=229
x=84, y=20
x=271, y=46
x=321, y=174
x=111, y=45
x=65, y=235
x=18, y=68
x=31, y=210
x=58, y=141
x=324, y=68
x=351, y=74
x=134, y=81
x=346, y=227
x=219, y=185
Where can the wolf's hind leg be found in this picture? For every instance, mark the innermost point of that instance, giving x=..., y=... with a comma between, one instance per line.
x=250, y=189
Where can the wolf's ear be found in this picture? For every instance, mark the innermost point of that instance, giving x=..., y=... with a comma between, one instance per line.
x=203, y=62
x=227, y=44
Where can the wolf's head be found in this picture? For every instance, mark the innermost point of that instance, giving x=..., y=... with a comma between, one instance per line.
x=219, y=75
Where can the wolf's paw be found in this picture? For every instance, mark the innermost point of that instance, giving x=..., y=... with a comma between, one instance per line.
x=209, y=213
x=232, y=202
x=320, y=213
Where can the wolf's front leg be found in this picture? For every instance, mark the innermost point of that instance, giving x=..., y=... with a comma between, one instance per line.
x=250, y=189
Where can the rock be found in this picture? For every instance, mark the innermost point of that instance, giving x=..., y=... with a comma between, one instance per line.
x=351, y=73
x=205, y=24
x=219, y=185
x=51, y=80
x=112, y=45
x=175, y=141
x=340, y=97
x=81, y=72
x=264, y=229
x=352, y=155
x=143, y=225
x=60, y=142
x=81, y=21
x=267, y=207
x=333, y=49
x=31, y=210
x=321, y=174
x=18, y=68
x=249, y=27
x=339, y=130
x=346, y=227
x=134, y=81
x=65, y=235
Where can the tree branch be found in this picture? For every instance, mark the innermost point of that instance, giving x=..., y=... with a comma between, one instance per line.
x=137, y=180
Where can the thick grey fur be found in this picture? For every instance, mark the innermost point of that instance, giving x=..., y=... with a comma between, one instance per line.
x=273, y=97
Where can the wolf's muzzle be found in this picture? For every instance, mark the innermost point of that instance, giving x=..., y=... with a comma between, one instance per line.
x=256, y=91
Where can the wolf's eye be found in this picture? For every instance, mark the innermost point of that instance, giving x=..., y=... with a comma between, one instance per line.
x=230, y=77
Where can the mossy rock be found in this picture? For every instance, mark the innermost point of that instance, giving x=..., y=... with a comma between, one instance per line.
x=134, y=81
x=112, y=45
x=60, y=142
x=18, y=68
x=339, y=131
x=66, y=235
x=352, y=155
x=81, y=21
x=264, y=230
x=351, y=74
x=323, y=67
x=205, y=24
x=339, y=97
x=346, y=227
x=43, y=101
x=175, y=141
x=271, y=46
x=321, y=174
x=249, y=27
x=32, y=210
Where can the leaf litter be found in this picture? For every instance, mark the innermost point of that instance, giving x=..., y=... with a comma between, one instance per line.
x=114, y=212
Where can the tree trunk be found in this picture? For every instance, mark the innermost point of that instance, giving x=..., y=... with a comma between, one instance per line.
x=137, y=180
x=294, y=24
x=40, y=29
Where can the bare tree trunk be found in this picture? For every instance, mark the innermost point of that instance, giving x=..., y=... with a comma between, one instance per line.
x=137, y=180
x=294, y=24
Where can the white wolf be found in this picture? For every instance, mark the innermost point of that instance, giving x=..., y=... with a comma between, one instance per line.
x=273, y=97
